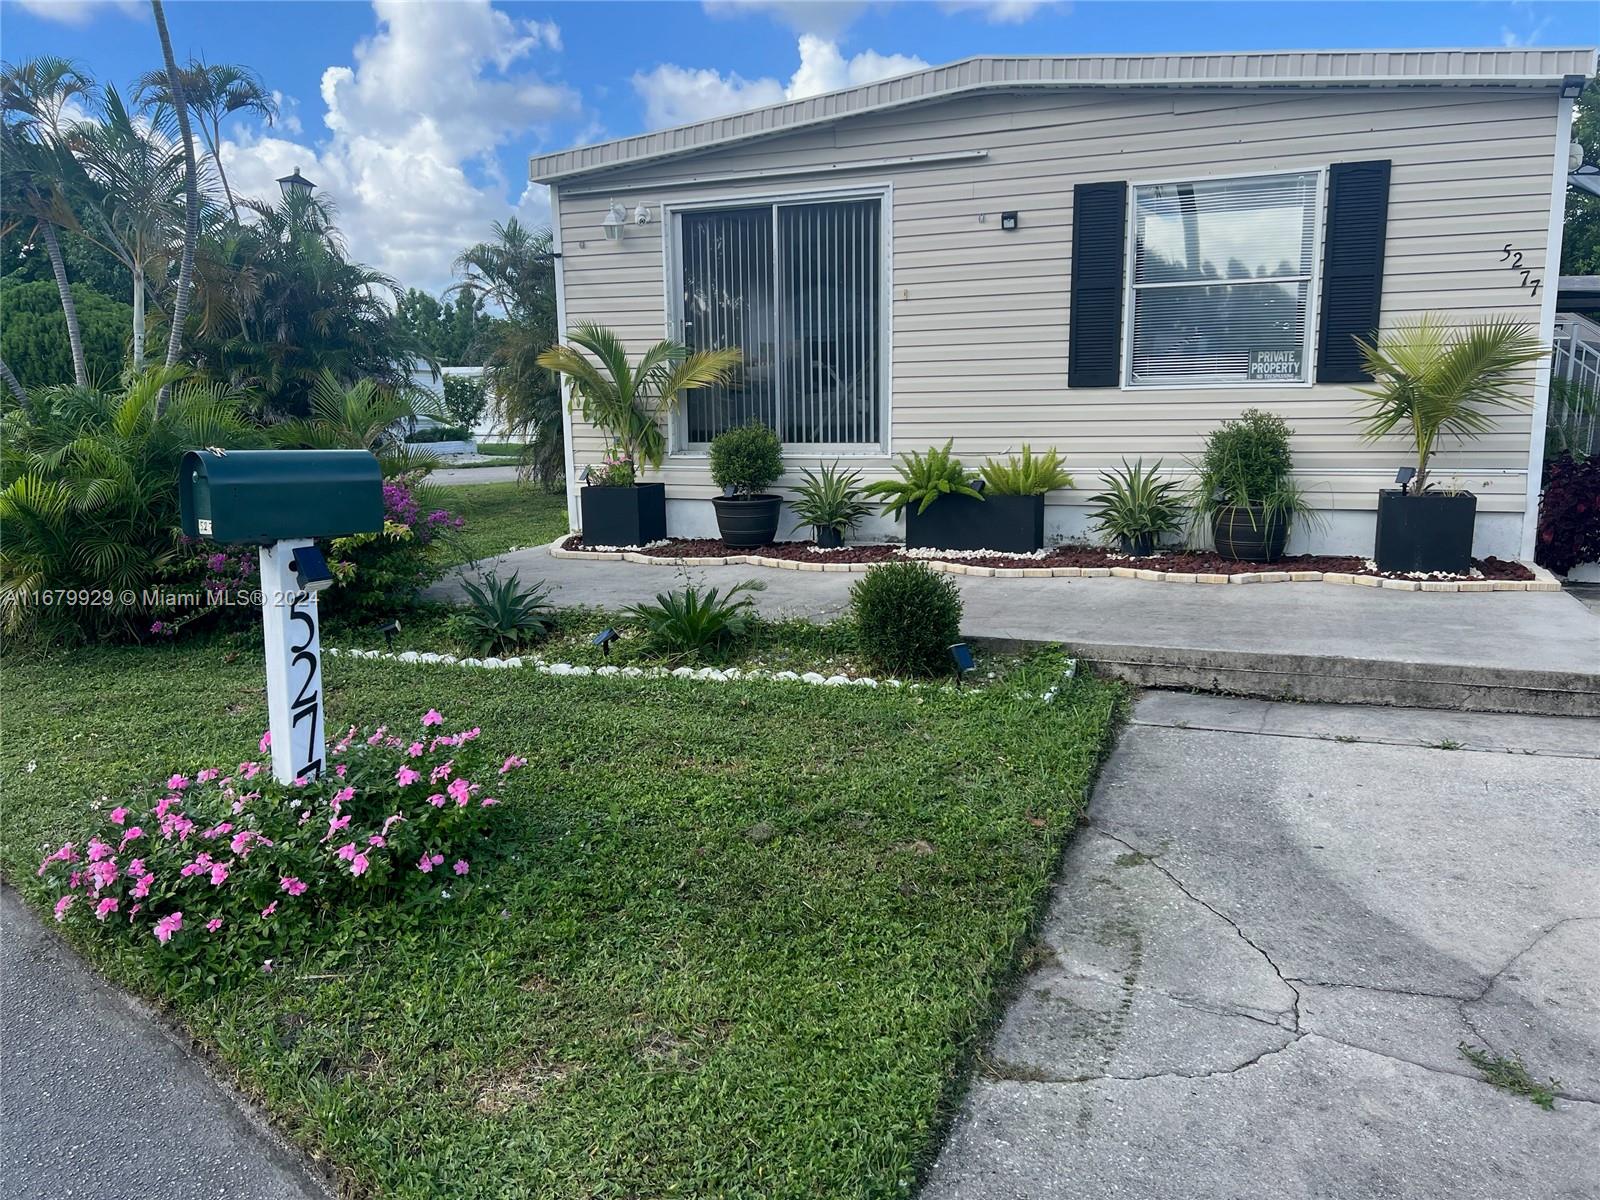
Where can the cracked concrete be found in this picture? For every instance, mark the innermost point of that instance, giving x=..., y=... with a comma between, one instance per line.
x=1266, y=949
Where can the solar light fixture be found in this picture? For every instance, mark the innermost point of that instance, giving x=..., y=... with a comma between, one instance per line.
x=961, y=655
x=389, y=630
x=1404, y=476
x=729, y=492
x=604, y=638
x=1008, y=221
x=311, y=569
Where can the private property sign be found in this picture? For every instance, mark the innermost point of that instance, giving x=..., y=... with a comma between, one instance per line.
x=1270, y=365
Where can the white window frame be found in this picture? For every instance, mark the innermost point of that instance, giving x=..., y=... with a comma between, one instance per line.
x=672, y=275
x=1313, y=281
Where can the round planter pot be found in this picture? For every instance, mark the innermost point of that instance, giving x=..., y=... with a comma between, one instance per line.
x=828, y=538
x=1245, y=533
x=748, y=520
x=1142, y=546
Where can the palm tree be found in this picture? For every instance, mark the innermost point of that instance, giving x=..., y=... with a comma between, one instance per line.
x=212, y=91
x=630, y=403
x=137, y=178
x=34, y=100
x=1438, y=383
x=516, y=270
x=363, y=416
x=191, y=199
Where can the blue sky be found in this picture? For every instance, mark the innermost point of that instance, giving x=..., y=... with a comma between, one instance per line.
x=418, y=115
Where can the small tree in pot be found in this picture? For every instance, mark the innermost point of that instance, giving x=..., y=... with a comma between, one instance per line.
x=1245, y=489
x=745, y=462
x=1430, y=383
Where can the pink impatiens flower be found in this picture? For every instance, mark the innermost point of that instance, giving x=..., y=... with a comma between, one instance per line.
x=344, y=794
x=512, y=763
x=443, y=771
x=266, y=742
x=214, y=924
x=269, y=910
x=415, y=750
x=292, y=885
x=65, y=854
x=207, y=775
x=105, y=908
x=427, y=863
x=346, y=851
x=462, y=866
x=178, y=782
x=134, y=834
x=98, y=850
x=405, y=776
x=141, y=886
x=437, y=800
x=358, y=865
x=335, y=825
x=432, y=717
x=219, y=874
x=460, y=791
x=119, y=815
x=62, y=905
x=167, y=926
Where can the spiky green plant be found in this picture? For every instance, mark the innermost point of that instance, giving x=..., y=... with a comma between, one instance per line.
x=91, y=494
x=367, y=415
x=1433, y=380
x=1136, y=503
x=830, y=499
x=1026, y=475
x=501, y=615
x=923, y=479
x=630, y=402
x=693, y=621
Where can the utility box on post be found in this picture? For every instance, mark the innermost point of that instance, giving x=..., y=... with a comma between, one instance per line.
x=257, y=497
x=280, y=500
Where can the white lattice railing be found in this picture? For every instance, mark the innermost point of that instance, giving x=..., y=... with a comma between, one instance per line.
x=1574, y=415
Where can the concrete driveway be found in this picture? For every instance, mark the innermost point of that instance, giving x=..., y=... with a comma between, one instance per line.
x=1267, y=946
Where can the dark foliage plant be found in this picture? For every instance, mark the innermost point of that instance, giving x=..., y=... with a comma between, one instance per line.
x=748, y=458
x=1569, y=514
x=907, y=616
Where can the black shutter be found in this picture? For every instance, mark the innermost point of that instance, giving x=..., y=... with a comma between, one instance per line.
x=1352, y=267
x=1094, y=341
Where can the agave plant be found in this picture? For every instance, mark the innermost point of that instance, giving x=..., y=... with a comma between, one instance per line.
x=923, y=479
x=692, y=620
x=830, y=499
x=91, y=491
x=1137, y=505
x=1026, y=475
x=502, y=615
x=1434, y=383
x=631, y=401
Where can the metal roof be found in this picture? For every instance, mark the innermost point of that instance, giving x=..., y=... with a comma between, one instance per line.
x=1522, y=67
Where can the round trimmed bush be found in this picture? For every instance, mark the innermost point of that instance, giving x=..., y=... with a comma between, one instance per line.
x=907, y=616
x=748, y=457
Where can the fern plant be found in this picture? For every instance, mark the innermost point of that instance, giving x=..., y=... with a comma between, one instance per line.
x=1026, y=475
x=692, y=621
x=830, y=499
x=923, y=479
x=502, y=616
x=1136, y=506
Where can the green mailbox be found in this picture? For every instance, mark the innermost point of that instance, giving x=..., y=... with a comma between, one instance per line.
x=260, y=497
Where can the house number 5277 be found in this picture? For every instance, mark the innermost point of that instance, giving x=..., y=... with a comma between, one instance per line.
x=1512, y=258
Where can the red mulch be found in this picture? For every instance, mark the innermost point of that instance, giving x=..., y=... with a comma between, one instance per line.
x=1198, y=562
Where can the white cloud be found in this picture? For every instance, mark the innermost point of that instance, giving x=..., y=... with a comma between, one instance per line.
x=288, y=113
x=998, y=12
x=80, y=12
x=826, y=18
x=675, y=95
x=415, y=125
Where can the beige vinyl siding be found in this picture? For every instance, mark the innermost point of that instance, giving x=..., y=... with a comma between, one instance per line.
x=980, y=316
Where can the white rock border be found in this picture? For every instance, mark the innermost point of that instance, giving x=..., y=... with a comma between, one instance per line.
x=1543, y=581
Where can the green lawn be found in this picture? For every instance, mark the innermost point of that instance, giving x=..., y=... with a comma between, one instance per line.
x=741, y=939
x=500, y=516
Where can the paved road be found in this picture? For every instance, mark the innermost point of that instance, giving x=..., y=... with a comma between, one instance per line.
x=474, y=475
x=100, y=1104
x=1266, y=948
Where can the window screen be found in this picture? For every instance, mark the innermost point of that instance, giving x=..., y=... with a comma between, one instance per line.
x=1221, y=280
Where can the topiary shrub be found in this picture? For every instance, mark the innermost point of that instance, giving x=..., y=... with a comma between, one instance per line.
x=748, y=458
x=33, y=334
x=907, y=616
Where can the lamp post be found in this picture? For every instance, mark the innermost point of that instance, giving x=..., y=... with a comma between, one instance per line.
x=295, y=185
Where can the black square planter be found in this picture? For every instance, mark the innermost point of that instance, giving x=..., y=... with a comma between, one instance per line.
x=624, y=516
x=1427, y=532
x=1012, y=524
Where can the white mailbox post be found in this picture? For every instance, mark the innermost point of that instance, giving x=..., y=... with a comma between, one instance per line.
x=294, y=663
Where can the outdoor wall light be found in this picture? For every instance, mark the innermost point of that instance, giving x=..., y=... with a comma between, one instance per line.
x=1008, y=221
x=388, y=631
x=961, y=655
x=1571, y=87
x=604, y=638
x=311, y=569
x=615, y=220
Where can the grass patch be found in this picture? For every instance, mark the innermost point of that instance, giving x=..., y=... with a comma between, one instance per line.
x=501, y=449
x=499, y=516
x=743, y=939
x=1511, y=1075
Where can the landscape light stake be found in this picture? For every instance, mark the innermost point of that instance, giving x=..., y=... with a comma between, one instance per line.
x=604, y=638
x=961, y=655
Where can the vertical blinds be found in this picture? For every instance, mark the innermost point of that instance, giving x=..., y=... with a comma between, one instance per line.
x=796, y=287
x=1221, y=280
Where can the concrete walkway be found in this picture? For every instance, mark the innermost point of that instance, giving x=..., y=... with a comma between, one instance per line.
x=1536, y=652
x=474, y=475
x=100, y=1103
x=1266, y=948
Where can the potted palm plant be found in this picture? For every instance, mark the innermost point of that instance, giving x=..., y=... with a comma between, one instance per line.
x=1136, y=507
x=1432, y=381
x=830, y=502
x=1244, y=489
x=629, y=403
x=745, y=462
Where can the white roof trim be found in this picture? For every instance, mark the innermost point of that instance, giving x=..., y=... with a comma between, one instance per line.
x=1522, y=67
